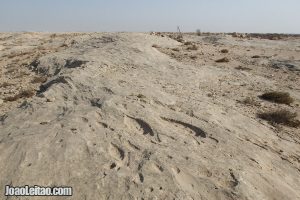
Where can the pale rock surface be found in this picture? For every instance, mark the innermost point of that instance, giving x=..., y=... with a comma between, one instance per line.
x=119, y=119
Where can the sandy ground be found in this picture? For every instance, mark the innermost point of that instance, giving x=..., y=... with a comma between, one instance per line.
x=140, y=116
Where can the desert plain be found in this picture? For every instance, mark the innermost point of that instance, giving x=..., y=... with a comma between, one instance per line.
x=151, y=115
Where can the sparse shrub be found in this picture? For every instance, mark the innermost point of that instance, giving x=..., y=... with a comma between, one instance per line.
x=283, y=117
x=193, y=48
x=177, y=37
x=22, y=94
x=53, y=35
x=175, y=49
x=278, y=97
x=155, y=46
x=256, y=56
x=193, y=57
x=222, y=60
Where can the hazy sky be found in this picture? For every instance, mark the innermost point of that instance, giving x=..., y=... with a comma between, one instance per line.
x=151, y=15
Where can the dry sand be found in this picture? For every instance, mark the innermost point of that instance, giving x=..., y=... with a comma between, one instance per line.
x=140, y=116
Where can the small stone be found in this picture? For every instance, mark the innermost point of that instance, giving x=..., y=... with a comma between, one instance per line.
x=50, y=99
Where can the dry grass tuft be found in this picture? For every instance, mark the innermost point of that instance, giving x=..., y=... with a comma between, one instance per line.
x=141, y=96
x=22, y=94
x=188, y=43
x=222, y=60
x=155, y=46
x=256, y=56
x=224, y=51
x=283, y=117
x=278, y=97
